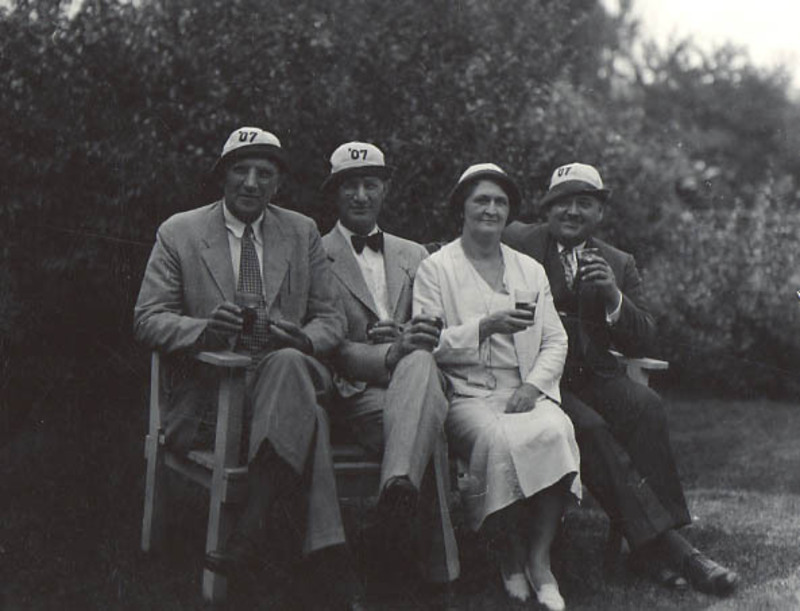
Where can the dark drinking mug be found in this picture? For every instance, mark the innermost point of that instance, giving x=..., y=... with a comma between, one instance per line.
x=249, y=303
x=525, y=300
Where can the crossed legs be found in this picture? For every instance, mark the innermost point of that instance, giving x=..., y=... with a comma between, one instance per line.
x=404, y=423
x=628, y=466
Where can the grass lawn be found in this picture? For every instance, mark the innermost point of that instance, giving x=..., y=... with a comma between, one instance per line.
x=71, y=496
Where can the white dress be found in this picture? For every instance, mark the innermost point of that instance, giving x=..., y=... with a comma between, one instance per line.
x=509, y=456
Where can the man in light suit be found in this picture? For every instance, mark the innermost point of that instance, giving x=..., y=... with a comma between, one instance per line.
x=391, y=390
x=621, y=428
x=203, y=264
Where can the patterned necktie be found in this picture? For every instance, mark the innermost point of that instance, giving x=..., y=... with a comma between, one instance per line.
x=567, y=260
x=250, y=282
x=374, y=241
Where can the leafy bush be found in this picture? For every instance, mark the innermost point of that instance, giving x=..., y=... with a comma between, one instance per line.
x=111, y=119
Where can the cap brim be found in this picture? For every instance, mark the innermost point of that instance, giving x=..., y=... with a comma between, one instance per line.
x=508, y=185
x=269, y=151
x=332, y=181
x=572, y=187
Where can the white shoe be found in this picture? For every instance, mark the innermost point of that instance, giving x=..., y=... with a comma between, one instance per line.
x=516, y=586
x=549, y=596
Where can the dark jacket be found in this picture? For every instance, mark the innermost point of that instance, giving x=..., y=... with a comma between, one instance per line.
x=583, y=311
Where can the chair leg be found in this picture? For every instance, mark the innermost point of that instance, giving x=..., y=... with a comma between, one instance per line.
x=221, y=519
x=154, y=495
x=442, y=541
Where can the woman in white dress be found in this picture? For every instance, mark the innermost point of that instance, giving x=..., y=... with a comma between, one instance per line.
x=504, y=367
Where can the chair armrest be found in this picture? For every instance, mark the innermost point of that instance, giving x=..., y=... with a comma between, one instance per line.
x=639, y=368
x=224, y=358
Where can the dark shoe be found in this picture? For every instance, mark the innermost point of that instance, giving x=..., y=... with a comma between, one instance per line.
x=707, y=576
x=239, y=556
x=657, y=571
x=668, y=578
x=398, y=500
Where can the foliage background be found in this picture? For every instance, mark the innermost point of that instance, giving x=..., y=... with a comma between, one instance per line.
x=111, y=118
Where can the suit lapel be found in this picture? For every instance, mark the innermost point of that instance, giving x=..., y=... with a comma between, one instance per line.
x=217, y=253
x=397, y=272
x=555, y=270
x=277, y=250
x=344, y=265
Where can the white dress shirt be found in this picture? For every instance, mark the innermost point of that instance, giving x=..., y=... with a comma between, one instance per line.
x=373, y=269
x=235, y=229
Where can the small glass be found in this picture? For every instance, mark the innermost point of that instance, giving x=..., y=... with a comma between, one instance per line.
x=525, y=300
x=249, y=302
x=584, y=257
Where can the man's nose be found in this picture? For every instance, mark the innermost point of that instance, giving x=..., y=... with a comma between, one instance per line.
x=572, y=207
x=360, y=193
x=491, y=208
x=251, y=181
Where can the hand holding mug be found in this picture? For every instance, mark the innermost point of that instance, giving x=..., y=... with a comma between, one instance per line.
x=525, y=303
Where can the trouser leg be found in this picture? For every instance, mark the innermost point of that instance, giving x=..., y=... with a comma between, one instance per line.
x=405, y=423
x=611, y=477
x=286, y=389
x=413, y=417
x=637, y=419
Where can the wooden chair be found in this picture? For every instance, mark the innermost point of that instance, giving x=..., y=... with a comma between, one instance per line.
x=219, y=471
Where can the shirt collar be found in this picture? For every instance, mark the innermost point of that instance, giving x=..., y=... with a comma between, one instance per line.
x=579, y=247
x=236, y=227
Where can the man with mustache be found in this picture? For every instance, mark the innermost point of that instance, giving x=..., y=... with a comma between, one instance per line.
x=621, y=428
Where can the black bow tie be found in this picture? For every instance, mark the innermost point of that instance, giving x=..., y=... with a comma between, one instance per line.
x=374, y=241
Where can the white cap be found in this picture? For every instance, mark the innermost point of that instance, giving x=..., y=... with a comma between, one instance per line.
x=255, y=141
x=483, y=169
x=577, y=171
x=574, y=179
x=488, y=171
x=356, y=158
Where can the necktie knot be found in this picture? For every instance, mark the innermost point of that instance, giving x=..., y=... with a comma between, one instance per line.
x=374, y=241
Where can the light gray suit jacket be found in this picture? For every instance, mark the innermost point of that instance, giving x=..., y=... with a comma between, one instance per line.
x=359, y=362
x=190, y=273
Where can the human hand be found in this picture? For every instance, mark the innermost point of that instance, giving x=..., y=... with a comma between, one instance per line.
x=420, y=333
x=226, y=319
x=285, y=334
x=595, y=272
x=523, y=399
x=505, y=322
x=383, y=332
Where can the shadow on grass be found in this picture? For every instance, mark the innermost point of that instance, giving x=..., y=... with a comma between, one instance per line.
x=72, y=499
